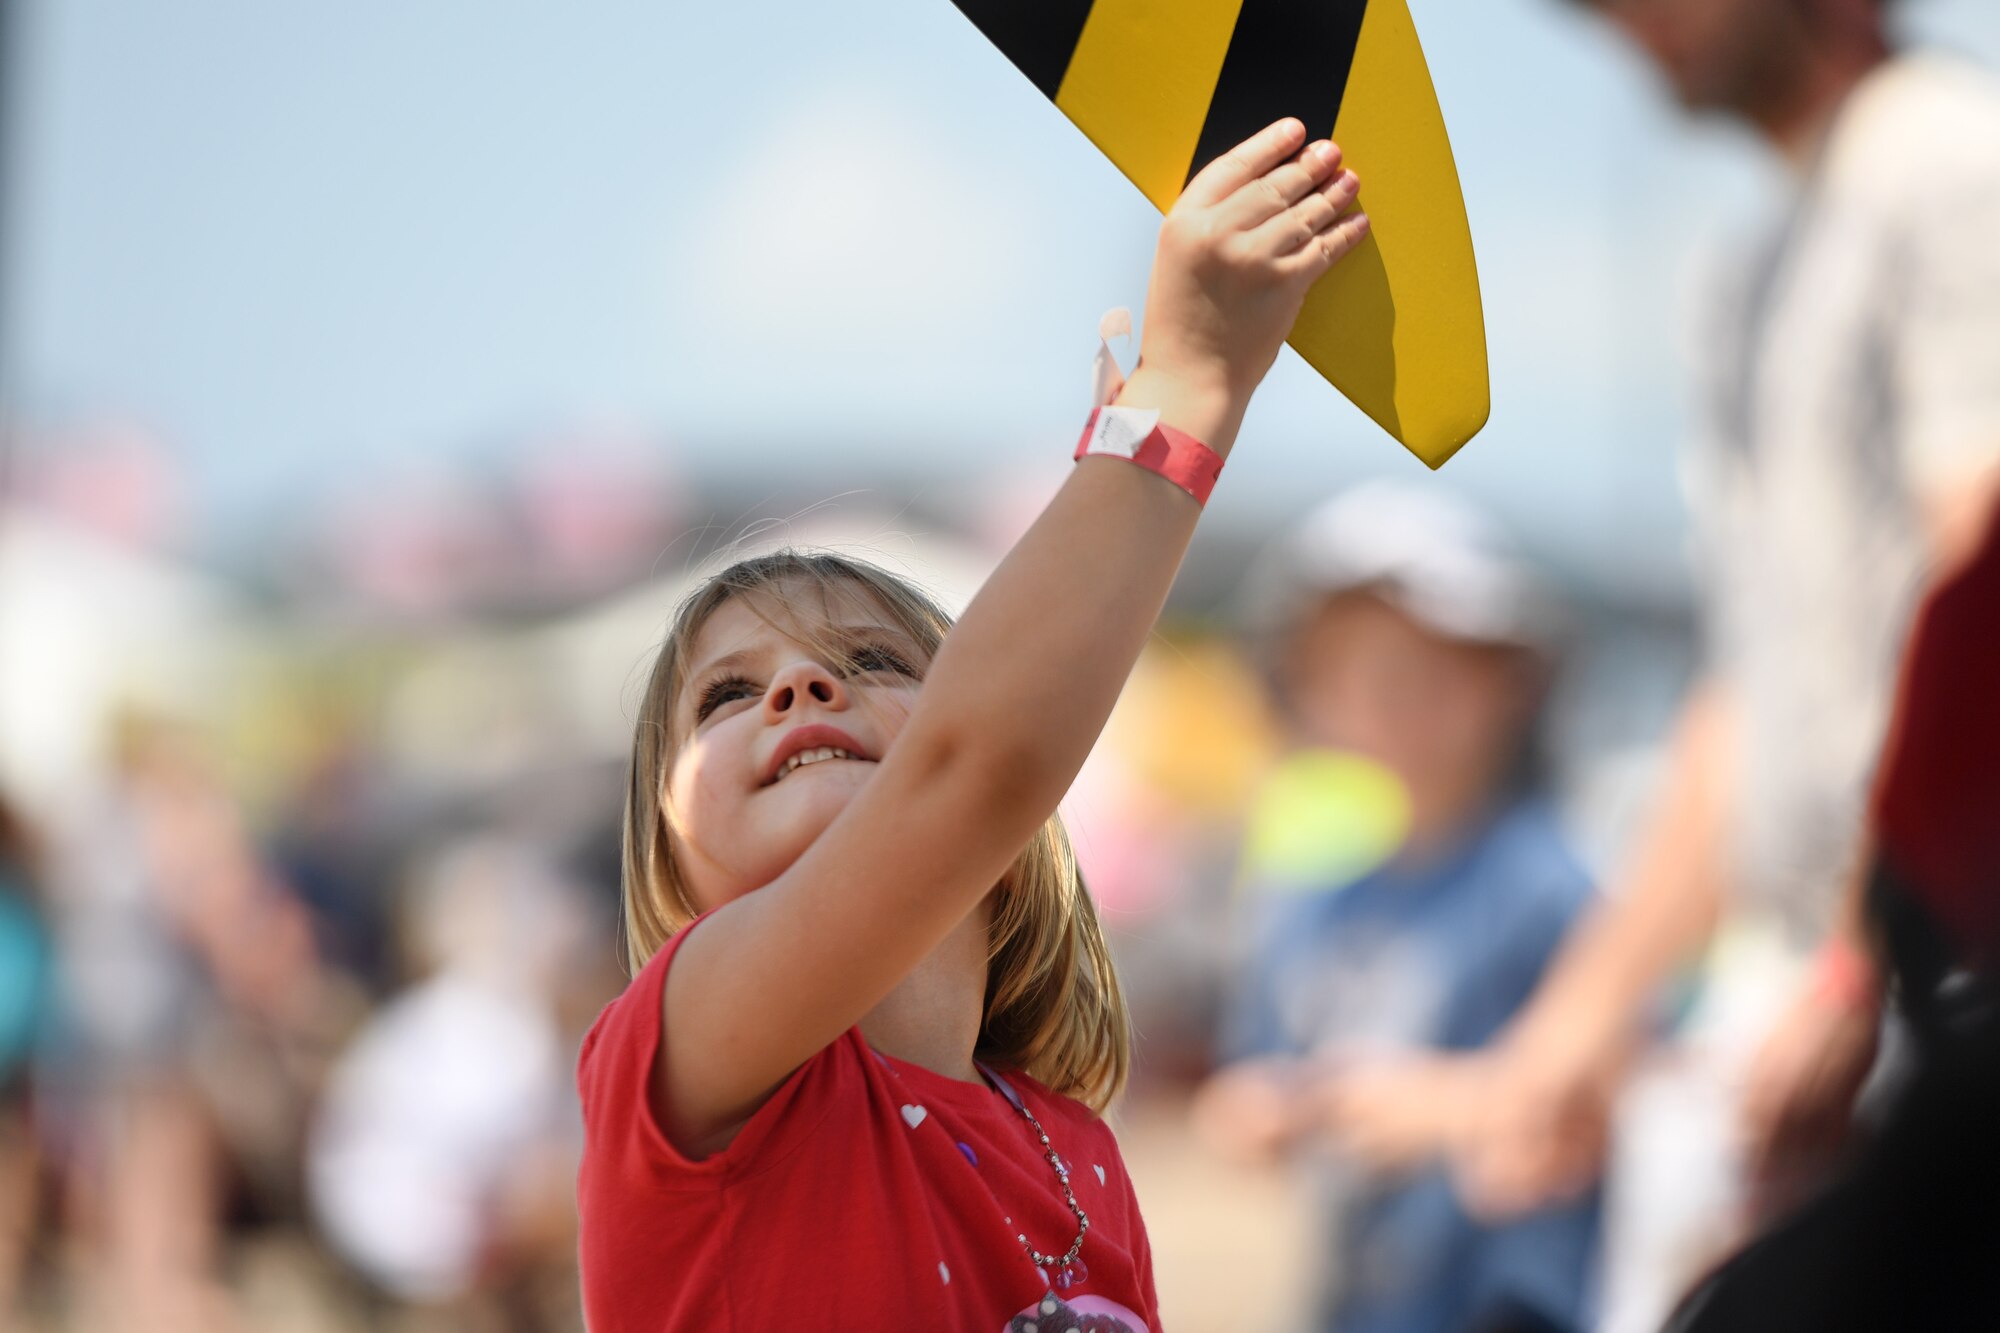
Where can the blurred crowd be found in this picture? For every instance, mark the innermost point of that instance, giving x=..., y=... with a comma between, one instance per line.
x=308, y=878
x=252, y=1085
x=307, y=892
x=301, y=936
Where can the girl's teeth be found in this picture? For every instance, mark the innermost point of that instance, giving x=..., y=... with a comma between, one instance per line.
x=804, y=757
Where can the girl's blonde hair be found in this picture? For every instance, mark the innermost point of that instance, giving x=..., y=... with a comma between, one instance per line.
x=1054, y=1010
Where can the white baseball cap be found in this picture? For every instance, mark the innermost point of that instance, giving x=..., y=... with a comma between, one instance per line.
x=1429, y=554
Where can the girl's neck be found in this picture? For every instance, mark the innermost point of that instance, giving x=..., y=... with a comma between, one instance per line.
x=932, y=1017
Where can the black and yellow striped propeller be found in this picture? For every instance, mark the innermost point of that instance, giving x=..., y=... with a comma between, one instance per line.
x=1165, y=86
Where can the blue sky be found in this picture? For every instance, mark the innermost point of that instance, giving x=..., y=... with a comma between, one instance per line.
x=306, y=241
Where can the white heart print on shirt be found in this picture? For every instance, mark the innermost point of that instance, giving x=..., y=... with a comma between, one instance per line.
x=914, y=1115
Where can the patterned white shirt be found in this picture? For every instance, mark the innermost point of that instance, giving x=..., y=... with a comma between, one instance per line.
x=1850, y=366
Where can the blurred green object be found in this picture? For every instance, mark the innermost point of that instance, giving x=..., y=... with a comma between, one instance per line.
x=1323, y=819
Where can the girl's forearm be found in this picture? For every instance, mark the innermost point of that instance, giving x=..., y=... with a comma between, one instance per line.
x=1027, y=678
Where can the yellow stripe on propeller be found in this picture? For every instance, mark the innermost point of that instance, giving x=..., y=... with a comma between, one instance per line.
x=1165, y=86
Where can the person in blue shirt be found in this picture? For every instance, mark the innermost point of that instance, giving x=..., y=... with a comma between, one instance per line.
x=26, y=987
x=1406, y=886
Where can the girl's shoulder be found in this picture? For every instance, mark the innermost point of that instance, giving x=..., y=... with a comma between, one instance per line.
x=1069, y=1121
x=634, y=1013
x=614, y=1076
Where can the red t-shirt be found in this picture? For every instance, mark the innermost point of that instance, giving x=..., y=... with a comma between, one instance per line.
x=866, y=1193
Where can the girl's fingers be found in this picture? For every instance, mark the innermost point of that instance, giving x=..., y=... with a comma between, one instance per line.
x=1245, y=162
x=1325, y=249
x=1298, y=224
x=1278, y=189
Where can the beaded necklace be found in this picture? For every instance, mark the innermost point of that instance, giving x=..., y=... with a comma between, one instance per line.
x=1059, y=1265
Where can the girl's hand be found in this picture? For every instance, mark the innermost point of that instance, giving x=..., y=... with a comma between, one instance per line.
x=1238, y=252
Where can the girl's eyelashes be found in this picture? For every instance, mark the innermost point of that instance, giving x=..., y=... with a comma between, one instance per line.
x=719, y=692
x=874, y=657
x=861, y=661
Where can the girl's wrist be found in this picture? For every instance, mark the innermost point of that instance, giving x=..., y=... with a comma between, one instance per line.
x=1203, y=407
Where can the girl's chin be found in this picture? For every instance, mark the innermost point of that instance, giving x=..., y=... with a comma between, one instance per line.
x=806, y=812
x=822, y=773
x=826, y=787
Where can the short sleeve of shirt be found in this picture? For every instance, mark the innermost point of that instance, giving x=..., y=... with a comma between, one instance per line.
x=649, y=1215
x=1948, y=319
x=1950, y=349
x=614, y=1075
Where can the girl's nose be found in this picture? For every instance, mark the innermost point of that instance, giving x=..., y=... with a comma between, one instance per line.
x=800, y=681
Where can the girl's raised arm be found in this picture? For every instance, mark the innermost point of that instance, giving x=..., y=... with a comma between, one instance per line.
x=1024, y=683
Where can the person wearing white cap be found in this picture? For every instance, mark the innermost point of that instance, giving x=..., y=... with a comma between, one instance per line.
x=1407, y=887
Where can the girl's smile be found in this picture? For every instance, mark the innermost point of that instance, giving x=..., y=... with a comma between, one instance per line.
x=811, y=744
x=774, y=691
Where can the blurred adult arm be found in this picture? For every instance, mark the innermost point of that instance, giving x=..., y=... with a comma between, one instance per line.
x=1541, y=1129
x=1944, y=331
x=1798, y=1103
x=1799, y=1097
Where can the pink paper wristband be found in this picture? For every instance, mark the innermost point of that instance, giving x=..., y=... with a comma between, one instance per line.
x=1844, y=975
x=1136, y=435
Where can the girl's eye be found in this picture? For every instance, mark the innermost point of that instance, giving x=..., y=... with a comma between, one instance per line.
x=719, y=692
x=878, y=659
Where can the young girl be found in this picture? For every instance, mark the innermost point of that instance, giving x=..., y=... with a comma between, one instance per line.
x=856, y=1080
